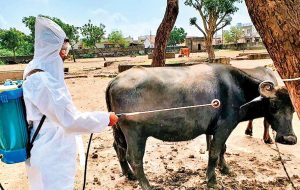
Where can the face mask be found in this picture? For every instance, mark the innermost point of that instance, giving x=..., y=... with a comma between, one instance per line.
x=66, y=46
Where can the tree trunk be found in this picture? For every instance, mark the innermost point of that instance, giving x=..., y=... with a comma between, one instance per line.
x=278, y=24
x=101, y=53
x=163, y=33
x=73, y=53
x=209, y=47
x=14, y=51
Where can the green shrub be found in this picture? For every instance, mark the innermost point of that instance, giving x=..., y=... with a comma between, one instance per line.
x=5, y=52
x=89, y=55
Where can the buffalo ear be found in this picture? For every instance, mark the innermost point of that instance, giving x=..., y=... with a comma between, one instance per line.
x=252, y=109
x=267, y=89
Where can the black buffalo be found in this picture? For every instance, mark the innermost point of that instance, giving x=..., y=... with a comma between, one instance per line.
x=264, y=75
x=243, y=97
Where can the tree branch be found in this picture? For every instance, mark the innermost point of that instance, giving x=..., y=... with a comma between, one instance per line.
x=204, y=20
x=197, y=26
x=227, y=23
x=221, y=19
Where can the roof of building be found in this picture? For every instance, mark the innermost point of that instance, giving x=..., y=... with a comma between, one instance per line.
x=150, y=38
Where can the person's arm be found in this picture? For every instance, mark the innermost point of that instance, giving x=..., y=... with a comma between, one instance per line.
x=52, y=100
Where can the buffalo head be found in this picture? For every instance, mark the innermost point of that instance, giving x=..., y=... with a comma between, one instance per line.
x=277, y=109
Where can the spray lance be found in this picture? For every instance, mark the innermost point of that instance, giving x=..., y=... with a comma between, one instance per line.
x=215, y=103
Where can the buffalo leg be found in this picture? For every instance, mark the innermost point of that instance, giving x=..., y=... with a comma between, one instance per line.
x=217, y=145
x=249, y=130
x=135, y=154
x=121, y=153
x=120, y=147
x=208, y=141
x=222, y=163
x=266, y=137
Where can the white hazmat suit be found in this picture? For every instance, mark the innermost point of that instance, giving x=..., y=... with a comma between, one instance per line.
x=52, y=164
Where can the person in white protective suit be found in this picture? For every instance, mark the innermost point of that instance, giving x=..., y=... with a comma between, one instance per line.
x=52, y=164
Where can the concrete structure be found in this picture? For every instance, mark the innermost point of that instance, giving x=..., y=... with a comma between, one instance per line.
x=103, y=44
x=129, y=39
x=195, y=44
x=250, y=33
x=147, y=40
x=217, y=40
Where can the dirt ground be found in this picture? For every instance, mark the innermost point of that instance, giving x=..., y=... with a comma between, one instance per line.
x=170, y=166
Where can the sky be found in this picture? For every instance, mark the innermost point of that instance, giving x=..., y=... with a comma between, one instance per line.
x=133, y=17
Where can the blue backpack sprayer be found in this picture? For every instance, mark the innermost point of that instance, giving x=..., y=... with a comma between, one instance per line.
x=15, y=144
x=13, y=125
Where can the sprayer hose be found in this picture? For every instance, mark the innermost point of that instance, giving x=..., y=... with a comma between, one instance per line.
x=86, y=161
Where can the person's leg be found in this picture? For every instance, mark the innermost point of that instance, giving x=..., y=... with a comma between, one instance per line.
x=34, y=177
x=53, y=161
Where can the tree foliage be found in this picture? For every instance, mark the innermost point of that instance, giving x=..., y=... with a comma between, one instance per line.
x=15, y=41
x=70, y=30
x=215, y=15
x=177, y=36
x=92, y=34
x=233, y=35
x=117, y=37
x=30, y=24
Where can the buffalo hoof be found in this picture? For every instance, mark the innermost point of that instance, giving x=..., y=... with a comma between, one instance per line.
x=131, y=177
x=225, y=170
x=268, y=140
x=147, y=187
x=212, y=183
x=214, y=186
x=249, y=132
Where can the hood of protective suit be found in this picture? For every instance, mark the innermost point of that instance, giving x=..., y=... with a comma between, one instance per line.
x=49, y=38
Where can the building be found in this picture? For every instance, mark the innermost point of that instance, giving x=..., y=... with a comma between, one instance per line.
x=147, y=40
x=195, y=44
x=217, y=40
x=129, y=39
x=103, y=44
x=250, y=33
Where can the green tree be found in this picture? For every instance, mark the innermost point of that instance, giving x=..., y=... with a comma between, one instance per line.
x=117, y=37
x=233, y=35
x=26, y=47
x=70, y=30
x=92, y=35
x=215, y=15
x=177, y=36
x=73, y=35
x=30, y=24
x=12, y=39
